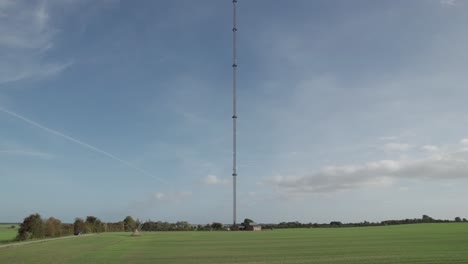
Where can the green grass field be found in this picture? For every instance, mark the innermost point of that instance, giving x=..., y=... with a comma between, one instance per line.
x=423, y=243
x=7, y=234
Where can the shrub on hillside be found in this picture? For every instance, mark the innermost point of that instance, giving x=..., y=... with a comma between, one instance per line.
x=53, y=227
x=32, y=227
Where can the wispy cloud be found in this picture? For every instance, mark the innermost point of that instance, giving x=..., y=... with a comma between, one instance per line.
x=79, y=142
x=444, y=166
x=430, y=148
x=389, y=138
x=448, y=2
x=160, y=199
x=213, y=180
x=403, y=189
x=26, y=36
x=13, y=148
x=391, y=147
x=37, y=154
x=171, y=197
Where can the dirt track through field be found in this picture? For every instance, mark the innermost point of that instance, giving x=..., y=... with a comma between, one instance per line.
x=15, y=244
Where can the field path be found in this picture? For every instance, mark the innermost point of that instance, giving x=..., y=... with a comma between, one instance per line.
x=14, y=244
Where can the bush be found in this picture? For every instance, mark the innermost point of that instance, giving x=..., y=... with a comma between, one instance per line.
x=53, y=227
x=79, y=226
x=32, y=227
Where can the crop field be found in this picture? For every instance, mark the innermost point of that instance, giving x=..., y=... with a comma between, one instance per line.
x=7, y=233
x=422, y=243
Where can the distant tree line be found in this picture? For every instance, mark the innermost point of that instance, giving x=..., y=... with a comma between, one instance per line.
x=34, y=227
x=166, y=226
x=424, y=219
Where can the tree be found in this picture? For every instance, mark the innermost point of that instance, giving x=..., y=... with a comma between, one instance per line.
x=116, y=227
x=93, y=225
x=99, y=226
x=427, y=219
x=53, y=227
x=464, y=220
x=217, y=226
x=458, y=219
x=129, y=224
x=336, y=223
x=247, y=222
x=67, y=229
x=183, y=225
x=32, y=227
x=79, y=226
x=91, y=220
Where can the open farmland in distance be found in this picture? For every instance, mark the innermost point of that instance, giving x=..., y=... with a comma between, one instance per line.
x=419, y=243
x=7, y=234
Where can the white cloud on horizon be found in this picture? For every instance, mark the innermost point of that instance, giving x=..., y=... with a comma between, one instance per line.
x=451, y=165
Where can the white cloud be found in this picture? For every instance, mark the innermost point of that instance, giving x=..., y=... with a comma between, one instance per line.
x=382, y=173
x=159, y=196
x=448, y=2
x=403, y=189
x=213, y=180
x=171, y=197
x=464, y=141
x=26, y=36
x=430, y=148
x=389, y=138
x=160, y=199
x=396, y=147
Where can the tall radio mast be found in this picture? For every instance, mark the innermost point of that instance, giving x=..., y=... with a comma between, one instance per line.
x=234, y=115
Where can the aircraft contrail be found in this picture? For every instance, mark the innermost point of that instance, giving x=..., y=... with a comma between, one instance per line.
x=79, y=142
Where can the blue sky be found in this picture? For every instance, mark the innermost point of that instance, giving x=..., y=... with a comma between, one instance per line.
x=348, y=110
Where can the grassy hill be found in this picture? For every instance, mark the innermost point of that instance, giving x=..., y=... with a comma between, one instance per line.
x=421, y=243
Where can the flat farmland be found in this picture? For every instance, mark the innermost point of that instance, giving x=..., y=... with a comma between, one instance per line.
x=421, y=243
x=7, y=234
